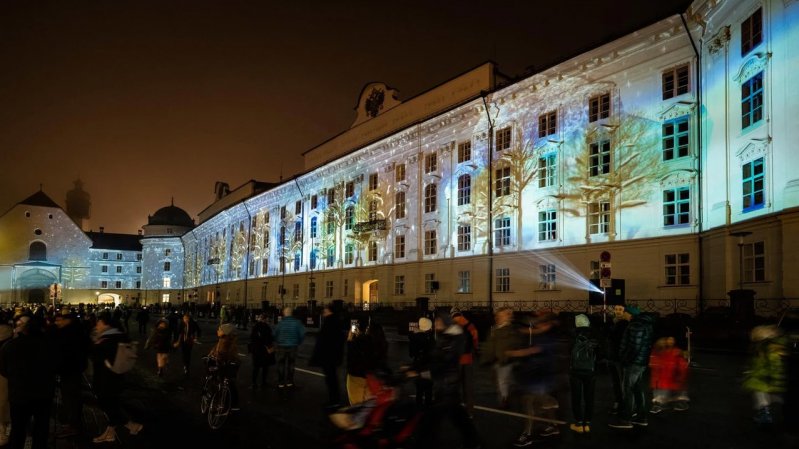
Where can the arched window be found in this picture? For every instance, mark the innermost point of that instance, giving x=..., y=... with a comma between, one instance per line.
x=430, y=198
x=38, y=251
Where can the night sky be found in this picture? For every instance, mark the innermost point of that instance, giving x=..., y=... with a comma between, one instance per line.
x=148, y=100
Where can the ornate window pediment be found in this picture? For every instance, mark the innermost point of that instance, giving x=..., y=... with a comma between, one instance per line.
x=753, y=150
x=676, y=110
x=678, y=178
x=755, y=63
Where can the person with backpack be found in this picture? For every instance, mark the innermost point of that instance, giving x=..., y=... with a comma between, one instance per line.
x=111, y=358
x=582, y=374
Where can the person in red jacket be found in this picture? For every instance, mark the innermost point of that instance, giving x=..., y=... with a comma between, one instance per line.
x=669, y=371
x=467, y=359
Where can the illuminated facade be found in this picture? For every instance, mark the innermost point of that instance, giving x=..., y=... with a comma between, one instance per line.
x=162, y=255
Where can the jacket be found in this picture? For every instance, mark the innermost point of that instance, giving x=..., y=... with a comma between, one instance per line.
x=420, y=349
x=472, y=340
x=28, y=362
x=329, y=348
x=502, y=339
x=107, y=384
x=260, y=342
x=189, y=333
x=289, y=332
x=669, y=369
x=72, y=348
x=445, y=361
x=636, y=343
x=160, y=340
x=766, y=372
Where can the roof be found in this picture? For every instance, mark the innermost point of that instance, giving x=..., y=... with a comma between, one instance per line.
x=120, y=242
x=170, y=216
x=39, y=199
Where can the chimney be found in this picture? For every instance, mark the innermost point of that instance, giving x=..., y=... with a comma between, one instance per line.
x=102, y=229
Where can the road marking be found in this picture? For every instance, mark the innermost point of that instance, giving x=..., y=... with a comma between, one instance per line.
x=315, y=373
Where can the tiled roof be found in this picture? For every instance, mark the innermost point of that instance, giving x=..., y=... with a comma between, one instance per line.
x=119, y=242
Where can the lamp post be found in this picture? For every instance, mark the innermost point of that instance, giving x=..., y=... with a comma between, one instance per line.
x=741, y=235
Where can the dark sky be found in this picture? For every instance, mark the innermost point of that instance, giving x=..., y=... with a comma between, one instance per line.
x=146, y=100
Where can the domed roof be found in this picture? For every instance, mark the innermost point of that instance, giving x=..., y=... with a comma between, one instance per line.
x=170, y=216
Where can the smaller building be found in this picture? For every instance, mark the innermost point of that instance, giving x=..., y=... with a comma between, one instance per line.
x=162, y=254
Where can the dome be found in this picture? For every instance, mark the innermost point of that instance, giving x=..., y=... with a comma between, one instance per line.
x=170, y=216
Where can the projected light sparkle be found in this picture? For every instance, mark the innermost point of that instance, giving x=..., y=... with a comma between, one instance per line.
x=567, y=275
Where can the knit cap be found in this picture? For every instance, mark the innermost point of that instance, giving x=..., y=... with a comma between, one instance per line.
x=227, y=329
x=582, y=321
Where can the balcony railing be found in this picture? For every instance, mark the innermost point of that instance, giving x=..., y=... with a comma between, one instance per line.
x=370, y=226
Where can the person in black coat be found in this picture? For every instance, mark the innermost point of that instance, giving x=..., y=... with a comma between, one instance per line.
x=28, y=362
x=143, y=317
x=188, y=333
x=72, y=344
x=262, y=348
x=420, y=348
x=329, y=352
x=161, y=341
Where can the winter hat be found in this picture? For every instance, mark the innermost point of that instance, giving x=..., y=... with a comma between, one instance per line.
x=425, y=324
x=633, y=310
x=767, y=332
x=227, y=329
x=582, y=321
x=455, y=312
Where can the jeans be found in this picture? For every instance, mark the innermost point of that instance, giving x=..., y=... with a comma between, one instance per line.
x=21, y=414
x=504, y=380
x=582, y=389
x=286, y=356
x=633, y=384
x=615, y=379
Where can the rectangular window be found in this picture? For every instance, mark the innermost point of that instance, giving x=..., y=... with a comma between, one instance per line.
x=282, y=212
x=331, y=223
x=599, y=217
x=118, y=284
x=678, y=269
x=372, y=251
x=349, y=190
x=331, y=256
x=399, y=202
x=502, y=280
x=464, y=282
x=346, y=287
x=599, y=107
x=295, y=291
x=138, y=256
x=754, y=255
x=349, y=218
x=167, y=266
x=373, y=181
x=138, y=284
x=548, y=170
x=399, y=173
x=430, y=163
x=119, y=269
x=399, y=246
x=464, y=190
x=104, y=268
x=167, y=282
x=105, y=256
x=429, y=278
x=502, y=231
x=314, y=202
x=547, y=225
x=119, y=256
x=676, y=82
x=103, y=284
x=399, y=285
x=464, y=152
x=165, y=297
x=331, y=196
x=464, y=238
x=594, y=270
x=546, y=276
x=430, y=242
x=298, y=231
x=676, y=206
x=167, y=253
x=547, y=124
x=752, y=32
x=328, y=289
x=313, y=227
x=753, y=188
x=502, y=182
x=264, y=266
x=503, y=139
x=430, y=198
x=349, y=254
x=599, y=158
x=138, y=270
x=752, y=101
x=675, y=139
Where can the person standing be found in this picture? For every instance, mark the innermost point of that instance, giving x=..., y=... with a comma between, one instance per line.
x=72, y=344
x=328, y=353
x=161, y=341
x=420, y=348
x=142, y=318
x=467, y=359
x=504, y=337
x=288, y=335
x=6, y=333
x=582, y=374
x=188, y=334
x=614, y=334
x=634, y=351
x=262, y=349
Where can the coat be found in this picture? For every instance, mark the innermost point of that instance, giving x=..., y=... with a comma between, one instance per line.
x=29, y=364
x=445, y=362
x=160, y=340
x=636, y=343
x=669, y=370
x=107, y=384
x=261, y=342
x=502, y=339
x=289, y=332
x=329, y=348
x=766, y=372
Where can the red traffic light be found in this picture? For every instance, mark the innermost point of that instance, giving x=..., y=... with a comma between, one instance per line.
x=605, y=273
x=604, y=256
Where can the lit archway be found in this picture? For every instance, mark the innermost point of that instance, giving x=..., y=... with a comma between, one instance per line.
x=369, y=293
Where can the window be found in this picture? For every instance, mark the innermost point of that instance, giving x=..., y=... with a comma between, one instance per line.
x=464, y=238
x=399, y=246
x=753, y=187
x=430, y=198
x=349, y=218
x=399, y=173
x=313, y=258
x=502, y=280
x=331, y=256
x=328, y=289
x=372, y=256
x=331, y=196
x=104, y=268
x=503, y=139
x=349, y=190
x=430, y=243
x=675, y=139
x=167, y=266
x=138, y=284
x=314, y=202
x=429, y=279
x=599, y=107
x=548, y=170
x=464, y=282
x=676, y=206
x=311, y=290
x=105, y=256
x=298, y=208
x=547, y=124
x=502, y=231
x=118, y=284
x=752, y=101
x=678, y=270
x=167, y=282
x=464, y=152
x=599, y=217
x=372, y=210
x=599, y=159
x=547, y=225
x=594, y=270
x=313, y=227
x=297, y=260
x=430, y=163
x=295, y=291
x=464, y=190
x=282, y=212
x=119, y=269
x=752, y=32
x=138, y=270
x=754, y=255
x=349, y=252
x=399, y=202
x=675, y=82
x=346, y=287
x=38, y=251
x=119, y=256
x=546, y=276
x=138, y=256
x=399, y=285
x=103, y=284
x=331, y=223
x=373, y=181
x=502, y=182
x=264, y=266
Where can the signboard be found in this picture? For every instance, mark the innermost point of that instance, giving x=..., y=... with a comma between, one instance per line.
x=605, y=283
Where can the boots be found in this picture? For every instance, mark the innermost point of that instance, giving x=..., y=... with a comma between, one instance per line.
x=109, y=436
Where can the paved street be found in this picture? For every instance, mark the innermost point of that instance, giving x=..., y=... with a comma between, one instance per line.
x=719, y=417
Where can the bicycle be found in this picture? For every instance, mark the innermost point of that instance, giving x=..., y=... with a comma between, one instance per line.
x=216, y=397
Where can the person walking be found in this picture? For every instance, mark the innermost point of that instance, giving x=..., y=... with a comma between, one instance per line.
x=161, y=341
x=634, y=351
x=142, y=318
x=188, y=334
x=582, y=374
x=288, y=334
x=504, y=337
x=72, y=345
x=262, y=349
x=6, y=333
x=472, y=341
x=420, y=348
x=328, y=353
x=765, y=378
x=669, y=372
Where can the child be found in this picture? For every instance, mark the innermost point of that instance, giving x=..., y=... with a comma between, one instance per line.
x=669, y=370
x=766, y=376
x=161, y=341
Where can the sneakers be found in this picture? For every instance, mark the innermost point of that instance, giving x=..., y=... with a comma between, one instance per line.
x=577, y=428
x=134, y=428
x=550, y=431
x=290, y=385
x=639, y=421
x=281, y=386
x=681, y=406
x=656, y=408
x=524, y=440
x=587, y=427
x=620, y=424
x=109, y=436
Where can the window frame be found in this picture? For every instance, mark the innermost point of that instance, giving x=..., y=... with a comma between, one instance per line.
x=430, y=198
x=548, y=170
x=750, y=183
x=599, y=107
x=673, y=207
x=464, y=189
x=671, y=141
x=503, y=139
x=548, y=225
x=671, y=81
x=600, y=158
x=547, y=124
x=502, y=280
x=399, y=204
x=464, y=237
x=465, y=151
x=430, y=242
x=502, y=181
x=752, y=253
x=598, y=210
x=399, y=246
x=752, y=101
x=464, y=281
x=677, y=269
x=752, y=32
x=502, y=234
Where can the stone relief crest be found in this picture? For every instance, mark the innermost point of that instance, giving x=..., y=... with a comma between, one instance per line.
x=374, y=103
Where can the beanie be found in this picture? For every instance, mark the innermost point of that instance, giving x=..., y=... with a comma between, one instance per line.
x=633, y=310
x=582, y=321
x=227, y=328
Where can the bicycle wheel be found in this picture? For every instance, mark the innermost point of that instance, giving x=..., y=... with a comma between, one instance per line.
x=219, y=408
x=205, y=396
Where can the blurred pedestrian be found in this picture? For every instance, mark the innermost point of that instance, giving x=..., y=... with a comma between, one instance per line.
x=6, y=333
x=288, y=334
x=634, y=351
x=188, y=335
x=420, y=348
x=142, y=318
x=262, y=348
x=72, y=346
x=328, y=352
x=582, y=374
x=668, y=368
x=614, y=335
x=765, y=377
x=161, y=341
x=467, y=359
x=504, y=337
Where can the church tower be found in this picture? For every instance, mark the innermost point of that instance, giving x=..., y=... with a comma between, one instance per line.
x=79, y=205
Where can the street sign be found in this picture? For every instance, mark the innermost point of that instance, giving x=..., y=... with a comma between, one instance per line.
x=605, y=283
x=604, y=264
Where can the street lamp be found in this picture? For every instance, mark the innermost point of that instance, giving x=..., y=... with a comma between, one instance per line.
x=741, y=235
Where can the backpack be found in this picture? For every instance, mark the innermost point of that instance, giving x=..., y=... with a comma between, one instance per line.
x=125, y=359
x=583, y=357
